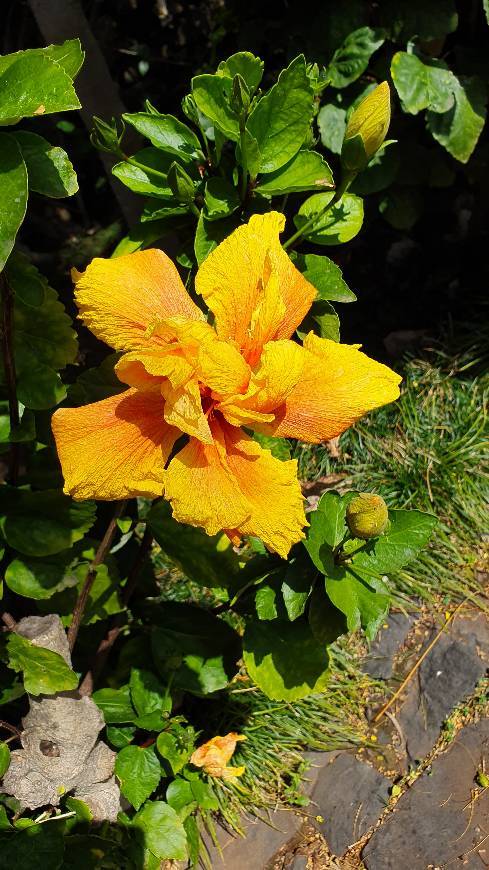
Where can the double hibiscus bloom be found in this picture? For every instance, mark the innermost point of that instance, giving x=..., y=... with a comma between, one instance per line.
x=214, y=384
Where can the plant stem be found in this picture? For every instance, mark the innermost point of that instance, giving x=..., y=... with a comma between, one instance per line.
x=13, y=730
x=244, y=160
x=99, y=557
x=7, y=299
x=344, y=185
x=148, y=169
x=106, y=644
x=194, y=209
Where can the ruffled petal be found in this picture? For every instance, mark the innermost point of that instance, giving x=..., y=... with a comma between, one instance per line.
x=338, y=385
x=116, y=448
x=253, y=288
x=120, y=298
x=183, y=409
x=237, y=486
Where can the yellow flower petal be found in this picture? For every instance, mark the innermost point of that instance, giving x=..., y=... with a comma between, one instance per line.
x=145, y=368
x=118, y=299
x=116, y=448
x=338, y=385
x=236, y=485
x=183, y=409
x=252, y=287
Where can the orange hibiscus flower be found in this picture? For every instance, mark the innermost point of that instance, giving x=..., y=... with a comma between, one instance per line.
x=186, y=376
x=214, y=755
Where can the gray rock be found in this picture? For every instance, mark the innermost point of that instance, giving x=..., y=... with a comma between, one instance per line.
x=380, y=661
x=299, y=862
x=436, y=823
x=447, y=675
x=350, y=796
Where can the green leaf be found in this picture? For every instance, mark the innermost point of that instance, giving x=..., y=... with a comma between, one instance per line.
x=212, y=95
x=13, y=194
x=49, y=169
x=138, y=771
x=176, y=748
x=245, y=64
x=284, y=659
x=45, y=672
x=42, y=523
x=327, y=528
x=325, y=276
x=200, y=649
x=402, y=206
x=33, y=84
x=208, y=560
x=407, y=534
x=362, y=598
x=210, y=234
x=96, y=384
x=327, y=623
x=351, y=59
x=25, y=280
x=221, y=199
x=278, y=447
x=332, y=126
x=458, y=130
x=35, y=847
x=150, y=698
x=69, y=55
x=281, y=120
x=41, y=578
x=296, y=585
x=167, y=133
x=422, y=85
x=321, y=319
x=268, y=600
x=140, y=179
x=103, y=599
x=340, y=224
x=39, y=387
x=120, y=735
x=380, y=173
x=162, y=832
x=115, y=704
x=25, y=431
x=416, y=18
x=4, y=758
x=306, y=171
x=169, y=216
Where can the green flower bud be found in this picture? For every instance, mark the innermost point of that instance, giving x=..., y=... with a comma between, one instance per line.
x=180, y=183
x=367, y=516
x=366, y=129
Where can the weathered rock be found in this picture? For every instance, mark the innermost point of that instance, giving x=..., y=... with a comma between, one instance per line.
x=437, y=822
x=447, y=675
x=350, y=796
x=102, y=798
x=380, y=661
x=46, y=631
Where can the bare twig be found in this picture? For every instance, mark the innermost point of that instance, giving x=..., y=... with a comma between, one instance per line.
x=106, y=644
x=100, y=555
x=8, y=620
x=10, y=377
x=11, y=728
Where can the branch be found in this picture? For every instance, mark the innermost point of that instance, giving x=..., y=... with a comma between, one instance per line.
x=100, y=556
x=106, y=644
x=10, y=377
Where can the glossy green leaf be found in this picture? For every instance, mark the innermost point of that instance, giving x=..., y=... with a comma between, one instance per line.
x=115, y=705
x=38, y=386
x=138, y=771
x=44, y=332
x=458, y=130
x=284, y=659
x=212, y=95
x=25, y=280
x=44, y=672
x=325, y=276
x=49, y=168
x=68, y=54
x=281, y=120
x=351, y=59
x=13, y=194
x=407, y=534
x=197, y=647
x=170, y=216
x=422, y=85
x=208, y=560
x=25, y=431
x=96, y=384
x=327, y=623
x=42, y=523
x=162, y=832
x=35, y=847
x=327, y=528
x=408, y=19
x=380, y=173
x=103, y=598
x=321, y=319
x=221, y=199
x=245, y=64
x=33, y=84
x=306, y=171
x=278, y=447
x=120, y=735
x=4, y=758
x=175, y=748
x=41, y=578
x=210, y=234
x=141, y=179
x=150, y=698
x=340, y=224
x=167, y=133
x=362, y=598
x=297, y=584
x=332, y=126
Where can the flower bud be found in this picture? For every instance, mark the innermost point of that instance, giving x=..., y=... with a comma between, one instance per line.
x=367, y=516
x=366, y=129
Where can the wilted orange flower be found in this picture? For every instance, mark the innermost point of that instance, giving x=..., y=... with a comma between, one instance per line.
x=207, y=381
x=214, y=755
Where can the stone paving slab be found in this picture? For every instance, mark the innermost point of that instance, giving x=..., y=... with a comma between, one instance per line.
x=447, y=675
x=351, y=796
x=379, y=662
x=434, y=823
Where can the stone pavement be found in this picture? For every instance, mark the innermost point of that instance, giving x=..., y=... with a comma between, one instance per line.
x=442, y=818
